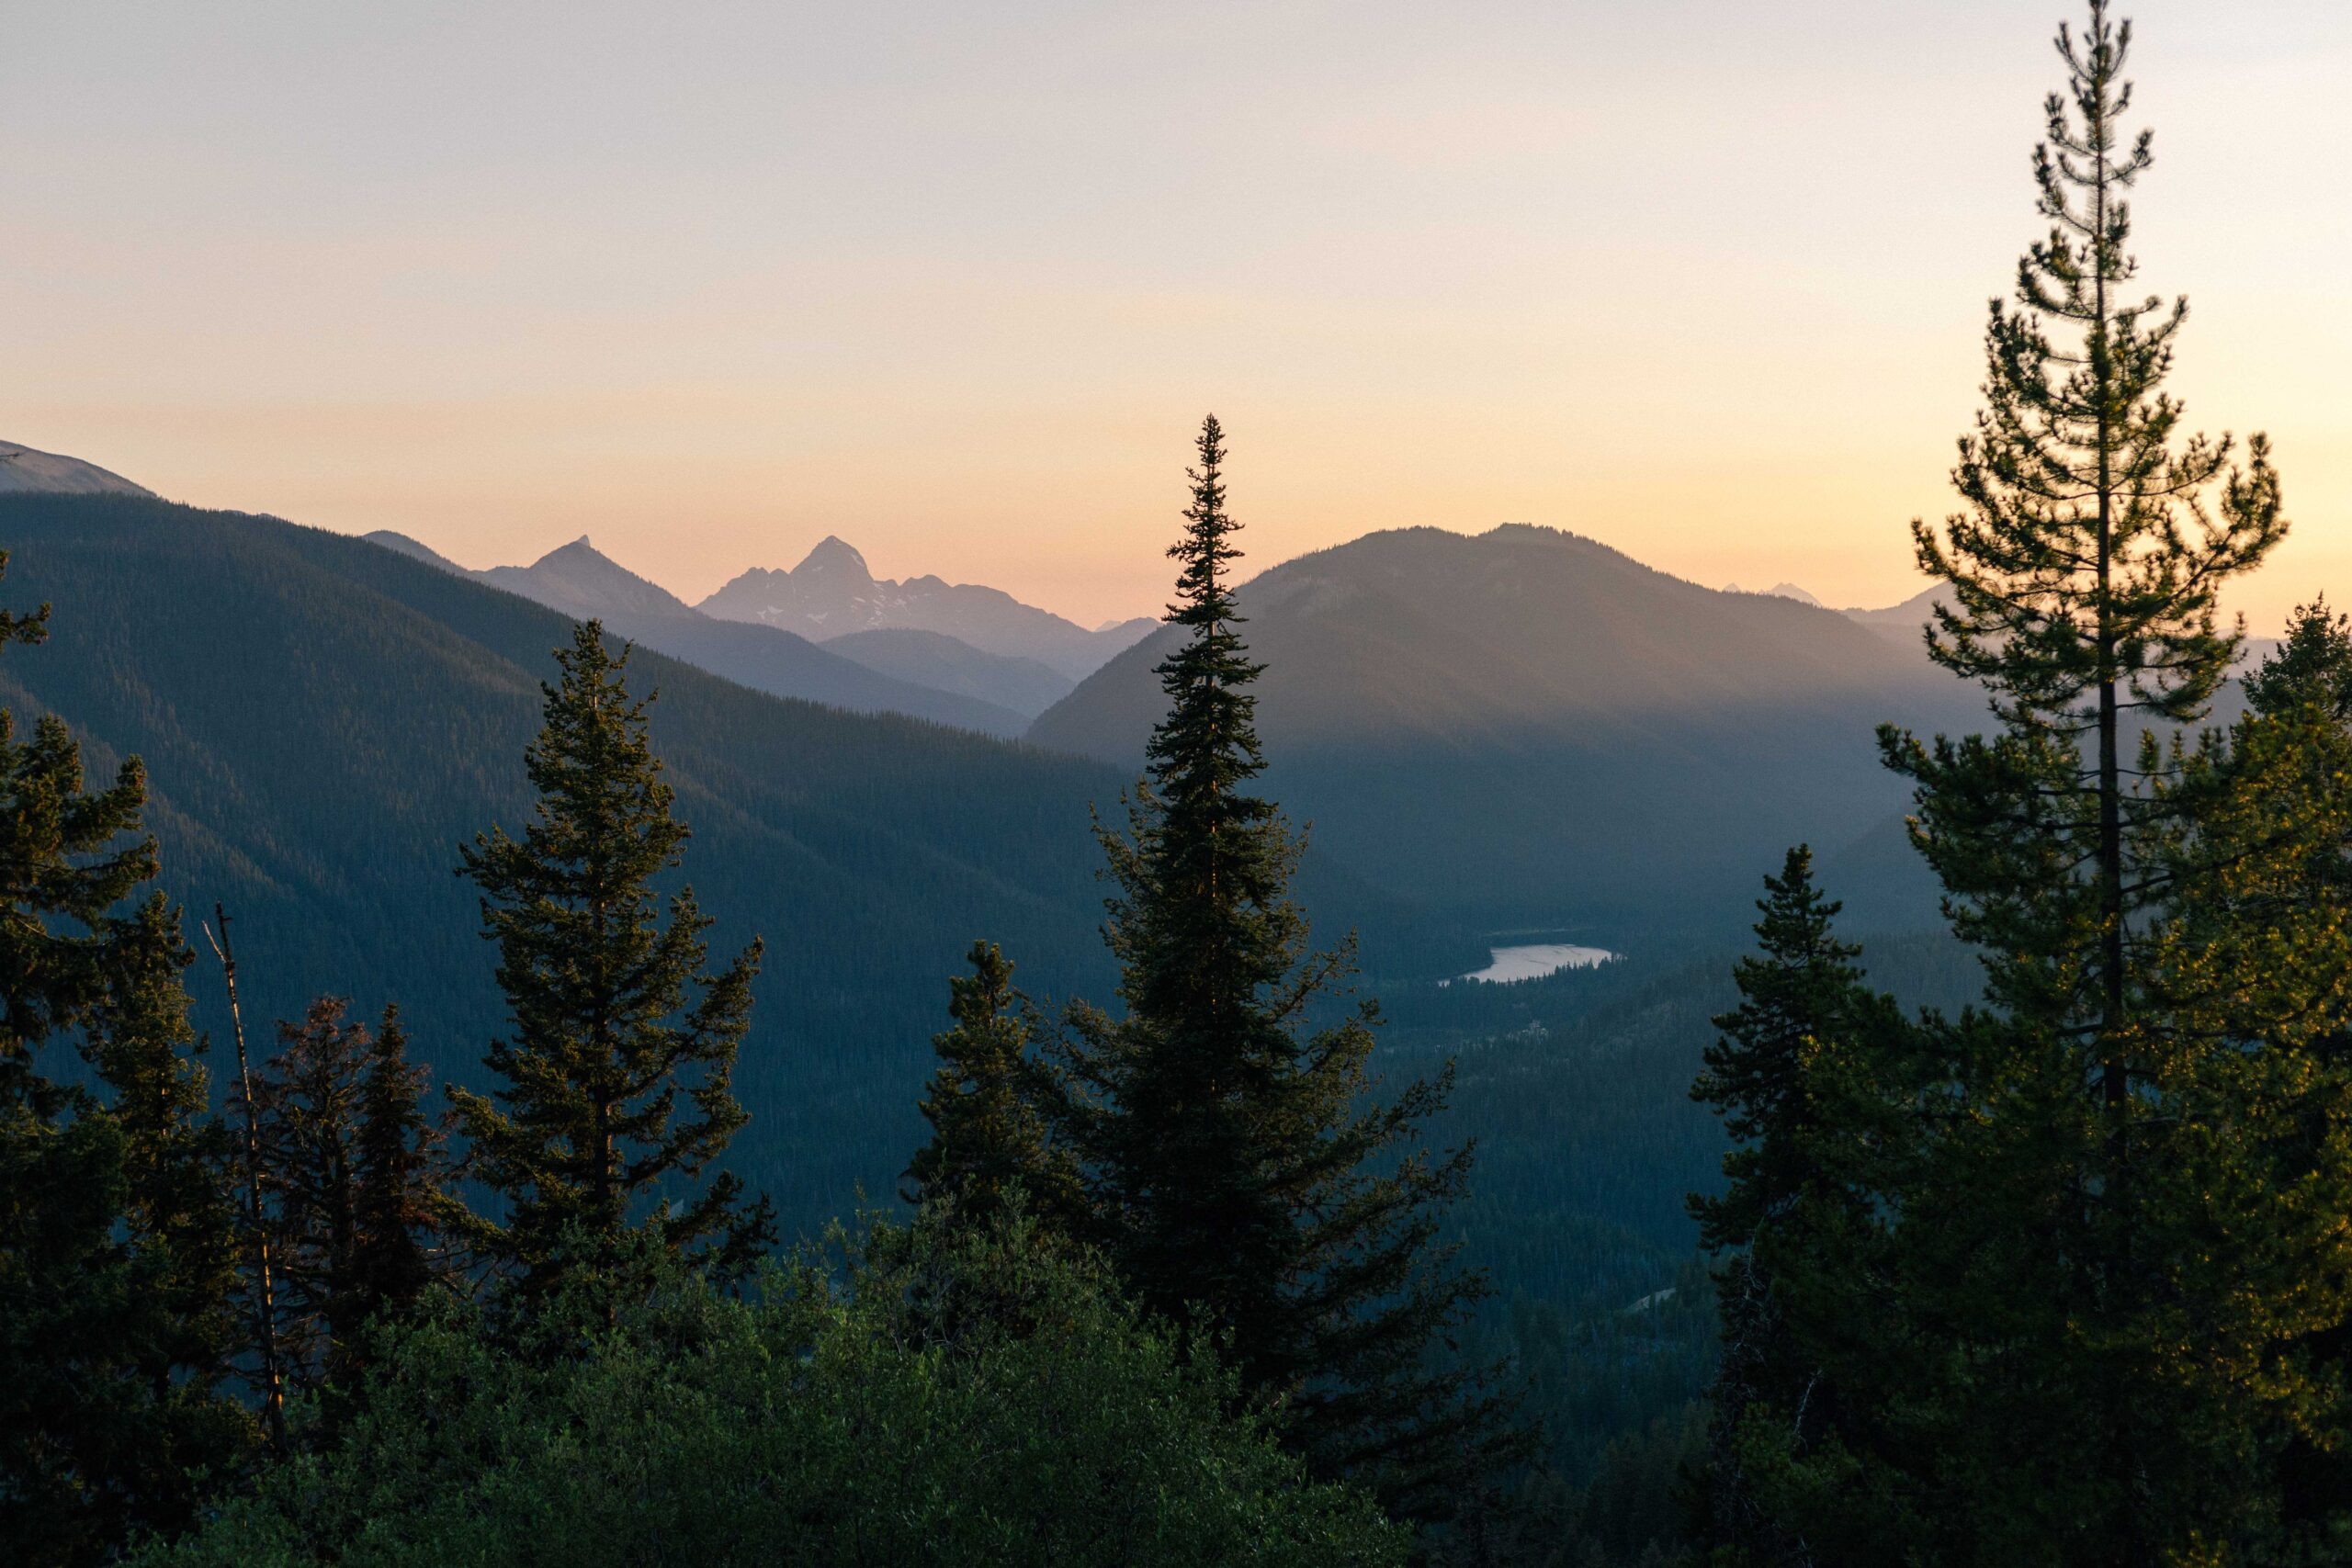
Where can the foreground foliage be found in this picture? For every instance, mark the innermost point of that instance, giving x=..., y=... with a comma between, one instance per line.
x=973, y=1399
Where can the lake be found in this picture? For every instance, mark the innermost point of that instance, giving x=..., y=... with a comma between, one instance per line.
x=1528, y=963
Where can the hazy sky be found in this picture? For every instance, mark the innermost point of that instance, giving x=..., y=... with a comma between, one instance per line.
x=1703, y=280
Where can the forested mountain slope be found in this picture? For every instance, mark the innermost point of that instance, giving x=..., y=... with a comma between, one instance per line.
x=325, y=721
x=1538, y=731
x=950, y=665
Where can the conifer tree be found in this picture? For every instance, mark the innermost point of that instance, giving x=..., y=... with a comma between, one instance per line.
x=361, y=1215
x=2086, y=571
x=111, y=1269
x=1806, y=1076
x=2255, y=973
x=178, y=1210
x=2311, y=668
x=989, y=1131
x=2081, y=1196
x=415, y=1233
x=1238, y=1174
x=616, y=1093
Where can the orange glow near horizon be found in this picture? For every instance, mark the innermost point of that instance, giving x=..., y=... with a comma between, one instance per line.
x=1704, y=285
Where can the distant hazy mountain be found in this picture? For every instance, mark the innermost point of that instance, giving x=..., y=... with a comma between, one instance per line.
x=1531, y=729
x=581, y=582
x=831, y=594
x=1905, y=621
x=949, y=664
x=1778, y=591
x=1791, y=590
x=24, y=470
x=415, y=549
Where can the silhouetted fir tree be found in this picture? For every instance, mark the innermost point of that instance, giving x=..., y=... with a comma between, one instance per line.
x=990, y=1132
x=2081, y=1200
x=362, y=1221
x=1807, y=1076
x=304, y=1111
x=1239, y=1175
x=179, y=1209
x=415, y=1233
x=112, y=1289
x=616, y=1094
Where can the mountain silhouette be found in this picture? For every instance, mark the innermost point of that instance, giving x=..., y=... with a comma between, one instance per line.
x=833, y=593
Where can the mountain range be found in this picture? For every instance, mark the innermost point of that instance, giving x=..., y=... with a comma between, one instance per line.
x=1522, y=729
x=831, y=593
x=581, y=582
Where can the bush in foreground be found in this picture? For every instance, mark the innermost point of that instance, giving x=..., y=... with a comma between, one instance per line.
x=949, y=1401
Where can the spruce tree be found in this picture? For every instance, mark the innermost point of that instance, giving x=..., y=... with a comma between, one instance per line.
x=616, y=1093
x=1238, y=1173
x=113, y=1284
x=1807, y=1074
x=415, y=1233
x=990, y=1137
x=362, y=1221
x=2080, y=1218
x=179, y=1211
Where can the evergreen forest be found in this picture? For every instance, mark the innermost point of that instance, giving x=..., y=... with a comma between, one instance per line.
x=474, y=1090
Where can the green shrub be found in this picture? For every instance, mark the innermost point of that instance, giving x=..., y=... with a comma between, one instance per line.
x=950, y=1401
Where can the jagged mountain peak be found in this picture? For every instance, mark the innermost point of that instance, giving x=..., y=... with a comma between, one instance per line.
x=833, y=593
x=834, y=557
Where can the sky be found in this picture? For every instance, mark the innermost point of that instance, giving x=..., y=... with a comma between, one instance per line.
x=1703, y=280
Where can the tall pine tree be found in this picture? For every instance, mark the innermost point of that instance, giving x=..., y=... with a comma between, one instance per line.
x=2079, y=1223
x=616, y=1093
x=1240, y=1176
x=2087, y=571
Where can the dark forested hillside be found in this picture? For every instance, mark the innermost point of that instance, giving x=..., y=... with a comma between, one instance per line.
x=950, y=664
x=324, y=721
x=1536, y=731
